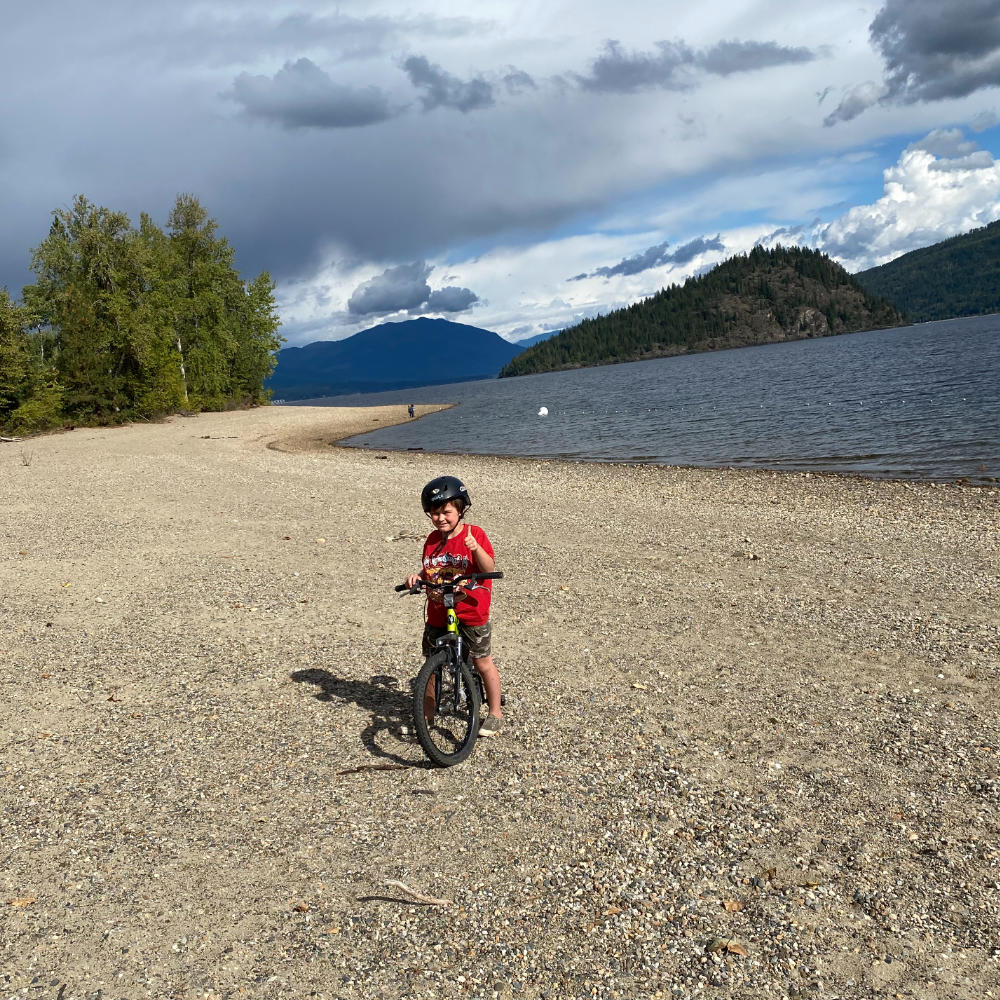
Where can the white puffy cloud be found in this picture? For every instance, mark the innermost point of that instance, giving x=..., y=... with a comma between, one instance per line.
x=940, y=187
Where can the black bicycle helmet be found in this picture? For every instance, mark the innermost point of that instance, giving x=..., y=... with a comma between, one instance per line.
x=443, y=489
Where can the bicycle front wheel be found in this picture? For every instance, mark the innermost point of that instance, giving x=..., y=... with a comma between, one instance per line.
x=449, y=733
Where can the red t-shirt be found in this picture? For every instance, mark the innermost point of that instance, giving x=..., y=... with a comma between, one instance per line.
x=444, y=560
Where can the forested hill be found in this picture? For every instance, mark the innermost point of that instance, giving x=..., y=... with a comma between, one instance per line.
x=958, y=277
x=766, y=296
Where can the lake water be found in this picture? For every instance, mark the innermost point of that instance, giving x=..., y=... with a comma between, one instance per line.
x=921, y=402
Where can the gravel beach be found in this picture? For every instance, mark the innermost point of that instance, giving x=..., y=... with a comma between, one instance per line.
x=751, y=746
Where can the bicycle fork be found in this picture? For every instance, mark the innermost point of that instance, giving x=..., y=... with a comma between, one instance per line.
x=453, y=638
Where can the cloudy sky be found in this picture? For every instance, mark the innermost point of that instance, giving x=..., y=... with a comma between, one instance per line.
x=517, y=168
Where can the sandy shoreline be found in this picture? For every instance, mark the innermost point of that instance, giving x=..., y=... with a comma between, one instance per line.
x=745, y=707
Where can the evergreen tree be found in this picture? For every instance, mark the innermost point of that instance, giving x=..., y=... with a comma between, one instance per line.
x=14, y=359
x=30, y=394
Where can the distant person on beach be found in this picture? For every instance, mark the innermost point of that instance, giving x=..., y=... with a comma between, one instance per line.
x=454, y=549
x=409, y=409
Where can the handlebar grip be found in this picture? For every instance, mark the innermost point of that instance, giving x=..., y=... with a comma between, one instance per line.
x=490, y=576
x=400, y=587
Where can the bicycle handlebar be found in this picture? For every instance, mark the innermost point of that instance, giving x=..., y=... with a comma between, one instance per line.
x=450, y=584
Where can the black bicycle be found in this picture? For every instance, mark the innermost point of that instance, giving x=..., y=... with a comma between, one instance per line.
x=449, y=680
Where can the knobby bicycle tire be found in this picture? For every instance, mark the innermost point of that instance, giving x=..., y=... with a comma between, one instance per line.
x=450, y=737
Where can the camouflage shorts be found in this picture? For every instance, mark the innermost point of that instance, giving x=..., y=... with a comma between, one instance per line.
x=477, y=638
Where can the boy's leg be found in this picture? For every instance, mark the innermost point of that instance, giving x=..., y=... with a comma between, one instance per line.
x=479, y=639
x=429, y=703
x=491, y=682
x=431, y=633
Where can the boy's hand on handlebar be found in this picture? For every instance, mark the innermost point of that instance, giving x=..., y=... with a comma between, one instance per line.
x=411, y=580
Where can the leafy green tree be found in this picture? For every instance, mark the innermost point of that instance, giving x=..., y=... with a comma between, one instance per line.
x=203, y=287
x=136, y=323
x=257, y=341
x=92, y=274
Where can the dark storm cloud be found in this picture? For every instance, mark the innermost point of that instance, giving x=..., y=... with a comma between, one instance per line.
x=932, y=51
x=405, y=288
x=672, y=66
x=655, y=256
x=617, y=71
x=745, y=57
x=686, y=253
x=452, y=299
x=857, y=99
x=301, y=95
x=516, y=81
x=402, y=287
x=441, y=89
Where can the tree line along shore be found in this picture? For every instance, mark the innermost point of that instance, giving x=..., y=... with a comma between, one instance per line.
x=129, y=323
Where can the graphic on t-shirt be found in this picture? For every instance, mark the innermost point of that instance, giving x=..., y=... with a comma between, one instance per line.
x=444, y=568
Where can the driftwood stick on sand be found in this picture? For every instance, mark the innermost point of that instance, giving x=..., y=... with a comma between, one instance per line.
x=367, y=768
x=433, y=900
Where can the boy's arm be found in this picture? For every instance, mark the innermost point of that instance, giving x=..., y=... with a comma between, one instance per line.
x=413, y=577
x=483, y=560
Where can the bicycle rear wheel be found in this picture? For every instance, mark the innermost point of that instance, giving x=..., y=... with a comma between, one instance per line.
x=448, y=738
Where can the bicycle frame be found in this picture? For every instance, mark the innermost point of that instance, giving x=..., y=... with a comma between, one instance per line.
x=439, y=671
x=453, y=637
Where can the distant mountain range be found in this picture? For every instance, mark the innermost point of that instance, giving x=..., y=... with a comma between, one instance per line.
x=760, y=297
x=957, y=277
x=391, y=356
x=537, y=339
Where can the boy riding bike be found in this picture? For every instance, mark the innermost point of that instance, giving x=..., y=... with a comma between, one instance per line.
x=451, y=550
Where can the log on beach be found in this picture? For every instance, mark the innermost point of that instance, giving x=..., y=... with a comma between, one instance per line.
x=751, y=736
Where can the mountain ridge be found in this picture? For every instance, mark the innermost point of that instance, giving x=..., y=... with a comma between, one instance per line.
x=956, y=277
x=762, y=297
x=401, y=355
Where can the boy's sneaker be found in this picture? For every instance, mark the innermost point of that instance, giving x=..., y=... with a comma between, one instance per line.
x=490, y=726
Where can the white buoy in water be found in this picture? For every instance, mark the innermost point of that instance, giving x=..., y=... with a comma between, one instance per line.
x=544, y=411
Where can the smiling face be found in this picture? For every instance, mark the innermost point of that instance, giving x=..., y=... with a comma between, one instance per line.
x=445, y=517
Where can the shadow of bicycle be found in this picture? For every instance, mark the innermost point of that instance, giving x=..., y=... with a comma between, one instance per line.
x=390, y=707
